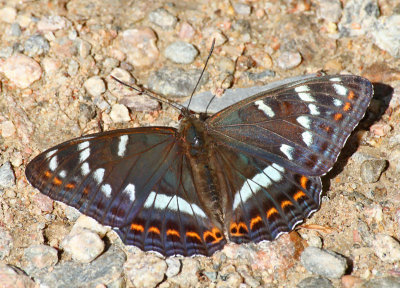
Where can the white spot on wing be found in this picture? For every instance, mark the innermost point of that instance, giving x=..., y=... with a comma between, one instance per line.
x=84, y=155
x=337, y=102
x=336, y=79
x=83, y=145
x=313, y=109
x=53, y=163
x=307, y=138
x=123, y=141
x=51, y=153
x=340, y=89
x=106, y=189
x=98, y=175
x=304, y=121
x=130, y=191
x=265, y=108
x=162, y=201
x=287, y=150
x=302, y=88
x=253, y=185
x=306, y=97
x=62, y=174
x=85, y=170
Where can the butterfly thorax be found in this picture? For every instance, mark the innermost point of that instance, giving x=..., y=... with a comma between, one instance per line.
x=197, y=146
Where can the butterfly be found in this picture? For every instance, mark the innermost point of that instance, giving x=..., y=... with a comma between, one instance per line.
x=250, y=172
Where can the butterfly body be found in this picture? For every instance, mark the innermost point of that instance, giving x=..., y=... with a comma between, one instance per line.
x=247, y=173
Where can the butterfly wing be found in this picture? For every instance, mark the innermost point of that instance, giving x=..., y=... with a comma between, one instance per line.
x=301, y=126
x=138, y=181
x=264, y=198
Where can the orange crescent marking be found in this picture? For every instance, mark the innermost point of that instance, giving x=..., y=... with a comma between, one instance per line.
x=271, y=212
x=347, y=106
x=350, y=96
x=286, y=203
x=137, y=227
x=254, y=221
x=338, y=116
x=86, y=190
x=57, y=181
x=48, y=174
x=173, y=232
x=193, y=235
x=70, y=186
x=154, y=230
x=213, y=234
x=298, y=195
x=303, y=182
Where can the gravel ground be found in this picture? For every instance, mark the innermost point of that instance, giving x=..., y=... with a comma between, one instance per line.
x=56, y=58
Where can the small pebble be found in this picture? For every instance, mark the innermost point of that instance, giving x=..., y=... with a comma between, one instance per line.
x=385, y=282
x=329, y=10
x=15, y=30
x=52, y=23
x=174, y=267
x=140, y=46
x=84, y=47
x=176, y=82
x=39, y=257
x=181, y=52
x=260, y=76
x=244, y=63
x=36, y=45
x=323, y=262
x=163, y=18
x=8, y=14
x=288, y=60
x=386, y=248
x=7, y=177
x=86, y=222
x=315, y=282
x=22, y=70
x=380, y=129
x=95, y=86
x=11, y=277
x=188, y=275
x=186, y=31
x=242, y=8
x=146, y=271
x=72, y=213
x=44, y=202
x=387, y=34
x=7, y=129
x=73, y=67
x=371, y=170
x=119, y=113
x=83, y=245
x=6, y=243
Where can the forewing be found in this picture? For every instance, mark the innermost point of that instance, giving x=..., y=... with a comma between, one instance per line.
x=301, y=126
x=137, y=181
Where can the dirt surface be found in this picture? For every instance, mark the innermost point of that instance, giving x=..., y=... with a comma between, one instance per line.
x=58, y=107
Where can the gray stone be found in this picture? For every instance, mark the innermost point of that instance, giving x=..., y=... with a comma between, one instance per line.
x=323, y=262
x=288, y=60
x=148, y=271
x=95, y=86
x=7, y=177
x=242, y=8
x=174, y=267
x=163, y=18
x=330, y=10
x=39, y=257
x=387, y=34
x=106, y=270
x=12, y=277
x=181, y=52
x=359, y=16
x=175, y=82
x=386, y=248
x=260, y=76
x=15, y=30
x=386, y=282
x=6, y=243
x=315, y=282
x=371, y=170
x=36, y=45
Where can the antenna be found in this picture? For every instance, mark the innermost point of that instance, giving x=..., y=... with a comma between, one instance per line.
x=151, y=94
x=202, y=72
